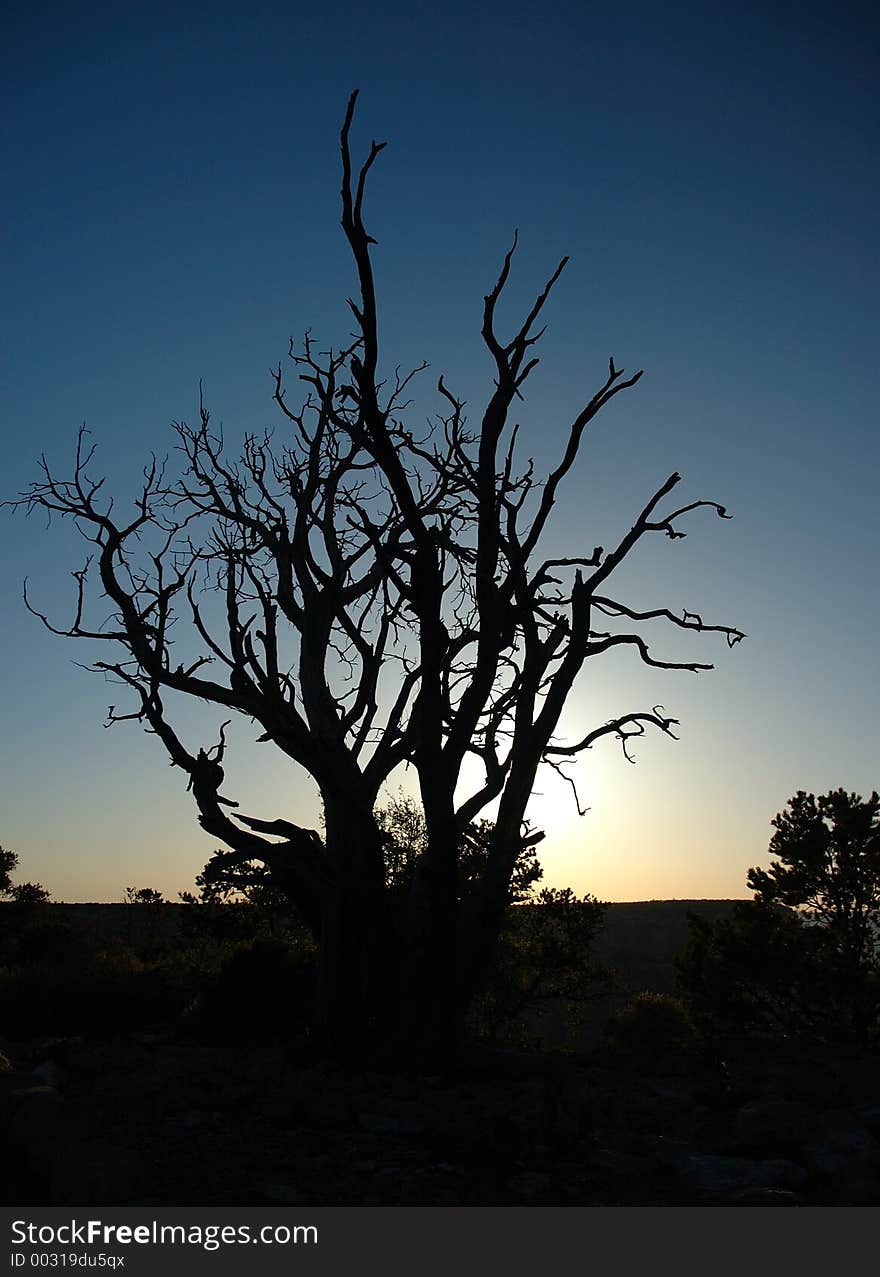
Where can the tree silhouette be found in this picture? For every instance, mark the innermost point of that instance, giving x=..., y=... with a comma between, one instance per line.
x=828, y=866
x=8, y=863
x=759, y=970
x=28, y=894
x=148, y=896
x=828, y=851
x=371, y=596
x=803, y=957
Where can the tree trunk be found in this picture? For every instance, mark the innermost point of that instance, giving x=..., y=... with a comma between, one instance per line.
x=380, y=994
x=389, y=979
x=354, y=942
x=352, y=975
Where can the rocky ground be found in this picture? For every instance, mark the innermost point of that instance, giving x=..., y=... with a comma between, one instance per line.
x=153, y=1120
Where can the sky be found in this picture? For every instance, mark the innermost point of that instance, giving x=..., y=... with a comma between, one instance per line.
x=172, y=215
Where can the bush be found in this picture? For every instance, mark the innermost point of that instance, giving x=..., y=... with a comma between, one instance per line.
x=828, y=869
x=102, y=994
x=652, y=1023
x=264, y=989
x=41, y=934
x=545, y=957
x=242, y=921
x=766, y=970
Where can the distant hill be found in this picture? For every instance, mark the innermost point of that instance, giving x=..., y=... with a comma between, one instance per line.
x=643, y=938
x=640, y=939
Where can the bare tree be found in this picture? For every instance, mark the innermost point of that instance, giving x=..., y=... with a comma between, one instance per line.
x=371, y=597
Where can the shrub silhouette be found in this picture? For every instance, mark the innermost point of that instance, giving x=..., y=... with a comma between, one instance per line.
x=767, y=970
x=828, y=870
x=8, y=862
x=101, y=994
x=264, y=990
x=26, y=894
x=652, y=1023
x=803, y=958
x=756, y=972
x=545, y=955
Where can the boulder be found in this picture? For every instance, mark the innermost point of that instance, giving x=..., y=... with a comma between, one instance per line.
x=379, y=1123
x=844, y=1132
x=764, y=1197
x=771, y=1126
x=722, y=1176
x=96, y=1172
x=51, y=1073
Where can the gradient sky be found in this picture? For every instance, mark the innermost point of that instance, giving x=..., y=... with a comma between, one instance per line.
x=171, y=213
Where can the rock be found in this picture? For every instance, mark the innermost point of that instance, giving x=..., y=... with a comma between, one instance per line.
x=842, y=1131
x=771, y=1125
x=784, y=1071
x=843, y=1152
x=529, y=1184
x=724, y=1175
x=669, y=1153
x=858, y=1075
x=51, y=1073
x=193, y=1117
x=869, y=1116
x=283, y=1194
x=830, y=1167
x=13, y=1081
x=856, y=1190
x=616, y=1164
x=149, y=1121
x=675, y=1088
x=64, y=1052
x=30, y=1131
x=379, y=1123
x=765, y=1197
x=95, y=1172
x=34, y=1111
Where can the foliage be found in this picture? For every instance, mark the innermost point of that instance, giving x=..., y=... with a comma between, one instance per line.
x=8, y=863
x=29, y=895
x=765, y=970
x=651, y=1023
x=239, y=903
x=405, y=831
x=224, y=884
x=96, y=991
x=60, y=977
x=264, y=989
x=210, y=920
x=145, y=931
x=545, y=953
x=545, y=956
x=143, y=896
x=828, y=868
x=747, y=972
x=37, y=934
x=803, y=957
x=828, y=863
x=26, y=894
x=239, y=882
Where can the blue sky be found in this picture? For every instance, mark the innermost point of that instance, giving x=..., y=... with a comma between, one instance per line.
x=172, y=214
